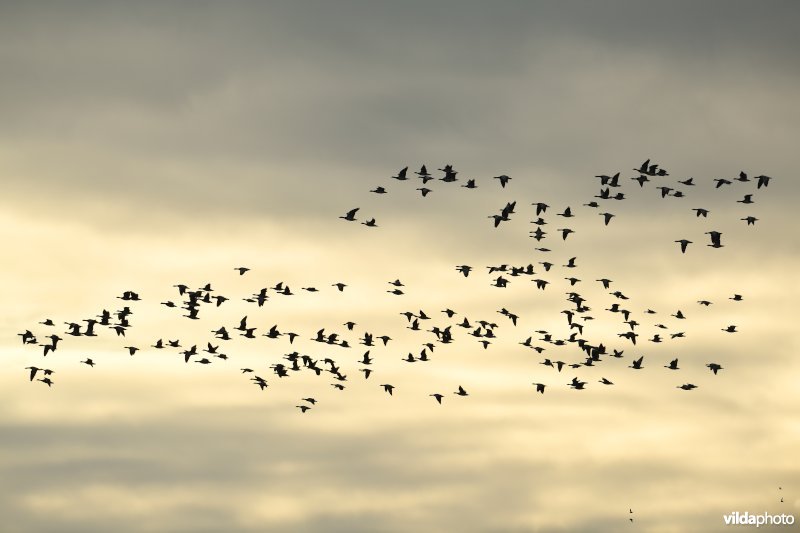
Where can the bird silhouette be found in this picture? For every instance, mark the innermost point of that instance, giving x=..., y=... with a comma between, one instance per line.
x=684, y=244
x=503, y=180
x=607, y=217
x=351, y=215
x=401, y=175
x=424, y=174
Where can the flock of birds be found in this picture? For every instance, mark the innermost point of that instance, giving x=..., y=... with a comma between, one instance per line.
x=573, y=349
x=647, y=172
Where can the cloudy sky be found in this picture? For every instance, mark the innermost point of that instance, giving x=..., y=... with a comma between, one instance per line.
x=150, y=144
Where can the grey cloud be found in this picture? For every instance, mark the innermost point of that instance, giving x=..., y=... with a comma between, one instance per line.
x=327, y=95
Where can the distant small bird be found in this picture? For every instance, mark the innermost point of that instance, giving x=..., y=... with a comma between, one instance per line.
x=424, y=174
x=565, y=232
x=607, y=217
x=388, y=388
x=644, y=168
x=438, y=397
x=684, y=243
x=576, y=384
x=242, y=270
x=503, y=180
x=33, y=370
x=351, y=215
x=401, y=175
x=687, y=386
x=27, y=337
x=464, y=269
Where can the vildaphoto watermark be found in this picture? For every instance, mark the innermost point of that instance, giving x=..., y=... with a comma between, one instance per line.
x=765, y=519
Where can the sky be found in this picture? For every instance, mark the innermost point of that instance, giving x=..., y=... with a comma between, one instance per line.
x=160, y=143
